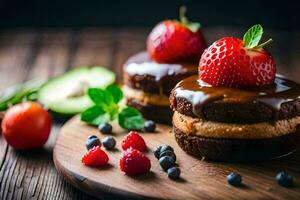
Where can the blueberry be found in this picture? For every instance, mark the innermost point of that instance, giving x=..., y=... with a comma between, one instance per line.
x=109, y=142
x=105, y=128
x=166, y=148
x=149, y=126
x=92, y=141
x=92, y=136
x=168, y=153
x=234, y=179
x=284, y=179
x=166, y=162
x=173, y=173
x=156, y=152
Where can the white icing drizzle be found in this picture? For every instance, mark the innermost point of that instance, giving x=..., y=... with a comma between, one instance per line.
x=154, y=69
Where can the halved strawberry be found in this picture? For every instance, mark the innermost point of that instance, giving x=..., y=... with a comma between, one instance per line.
x=95, y=157
x=173, y=41
x=232, y=62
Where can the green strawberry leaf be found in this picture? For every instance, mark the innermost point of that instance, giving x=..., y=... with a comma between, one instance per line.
x=94, y=115
x=116, y=92
x=253, y=36
x=193, y=26
x=131, y=119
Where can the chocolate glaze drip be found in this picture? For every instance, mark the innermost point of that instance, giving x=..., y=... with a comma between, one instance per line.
x=199, y=94
x=141, y=64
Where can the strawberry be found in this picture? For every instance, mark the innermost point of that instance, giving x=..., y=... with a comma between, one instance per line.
x=134, y=140
x=133, y=162
x=232, y=62
x=95, y=157
x=172, y=41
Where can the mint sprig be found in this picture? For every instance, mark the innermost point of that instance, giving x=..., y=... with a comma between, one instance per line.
x=193, y=26
x=253, y=36
x=106, y=108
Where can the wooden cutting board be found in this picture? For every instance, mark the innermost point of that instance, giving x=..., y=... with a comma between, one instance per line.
x=199, y=179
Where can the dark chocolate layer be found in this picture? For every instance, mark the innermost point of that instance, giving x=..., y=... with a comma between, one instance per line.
x=160, y=114
x=237, y=149
x=279, y=101
x=139, y=72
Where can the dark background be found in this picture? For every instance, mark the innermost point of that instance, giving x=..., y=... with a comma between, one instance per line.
x=93, y=13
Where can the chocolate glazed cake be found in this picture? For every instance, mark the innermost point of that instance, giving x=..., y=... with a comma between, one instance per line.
x=148, y=85
x=230, y=124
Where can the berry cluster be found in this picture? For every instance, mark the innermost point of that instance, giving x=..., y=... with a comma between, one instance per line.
x=134, y=162
x=167, y=159
x=95, y=156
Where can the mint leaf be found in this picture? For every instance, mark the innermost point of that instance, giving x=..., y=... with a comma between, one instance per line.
x=96, y=95
x=131, y=119
x=100, y=97
x=94, y=115
x=100, y=119
x=253, y=36
x=116, y=92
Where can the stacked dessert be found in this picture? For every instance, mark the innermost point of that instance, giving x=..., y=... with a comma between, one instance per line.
x=237, y=109
x=173, y=52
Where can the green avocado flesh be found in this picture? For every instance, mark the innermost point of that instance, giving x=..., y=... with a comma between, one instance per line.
x=66, y=94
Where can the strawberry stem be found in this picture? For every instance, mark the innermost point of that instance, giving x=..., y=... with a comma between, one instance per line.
x=182, y=11
x=192, y=26
x=264, y=44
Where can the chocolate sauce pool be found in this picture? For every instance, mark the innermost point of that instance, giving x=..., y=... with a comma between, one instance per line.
x=199, y=93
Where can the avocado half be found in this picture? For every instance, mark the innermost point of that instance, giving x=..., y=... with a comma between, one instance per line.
x=67, y=94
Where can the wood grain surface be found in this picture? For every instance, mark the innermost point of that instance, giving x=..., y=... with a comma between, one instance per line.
x=199, y=179
x=27, y=54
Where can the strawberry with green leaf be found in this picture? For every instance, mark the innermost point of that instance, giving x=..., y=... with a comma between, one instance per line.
x=232, y=62
x=173, y=40
x=106, y=108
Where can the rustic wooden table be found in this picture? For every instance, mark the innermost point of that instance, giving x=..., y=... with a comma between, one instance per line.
x=27, y=54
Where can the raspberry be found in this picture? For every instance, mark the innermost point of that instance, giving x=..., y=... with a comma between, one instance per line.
x=133, y=162
x=134, y=140
x=95, y=157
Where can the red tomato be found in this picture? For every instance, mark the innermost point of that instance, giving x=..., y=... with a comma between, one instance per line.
x=26, y=126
